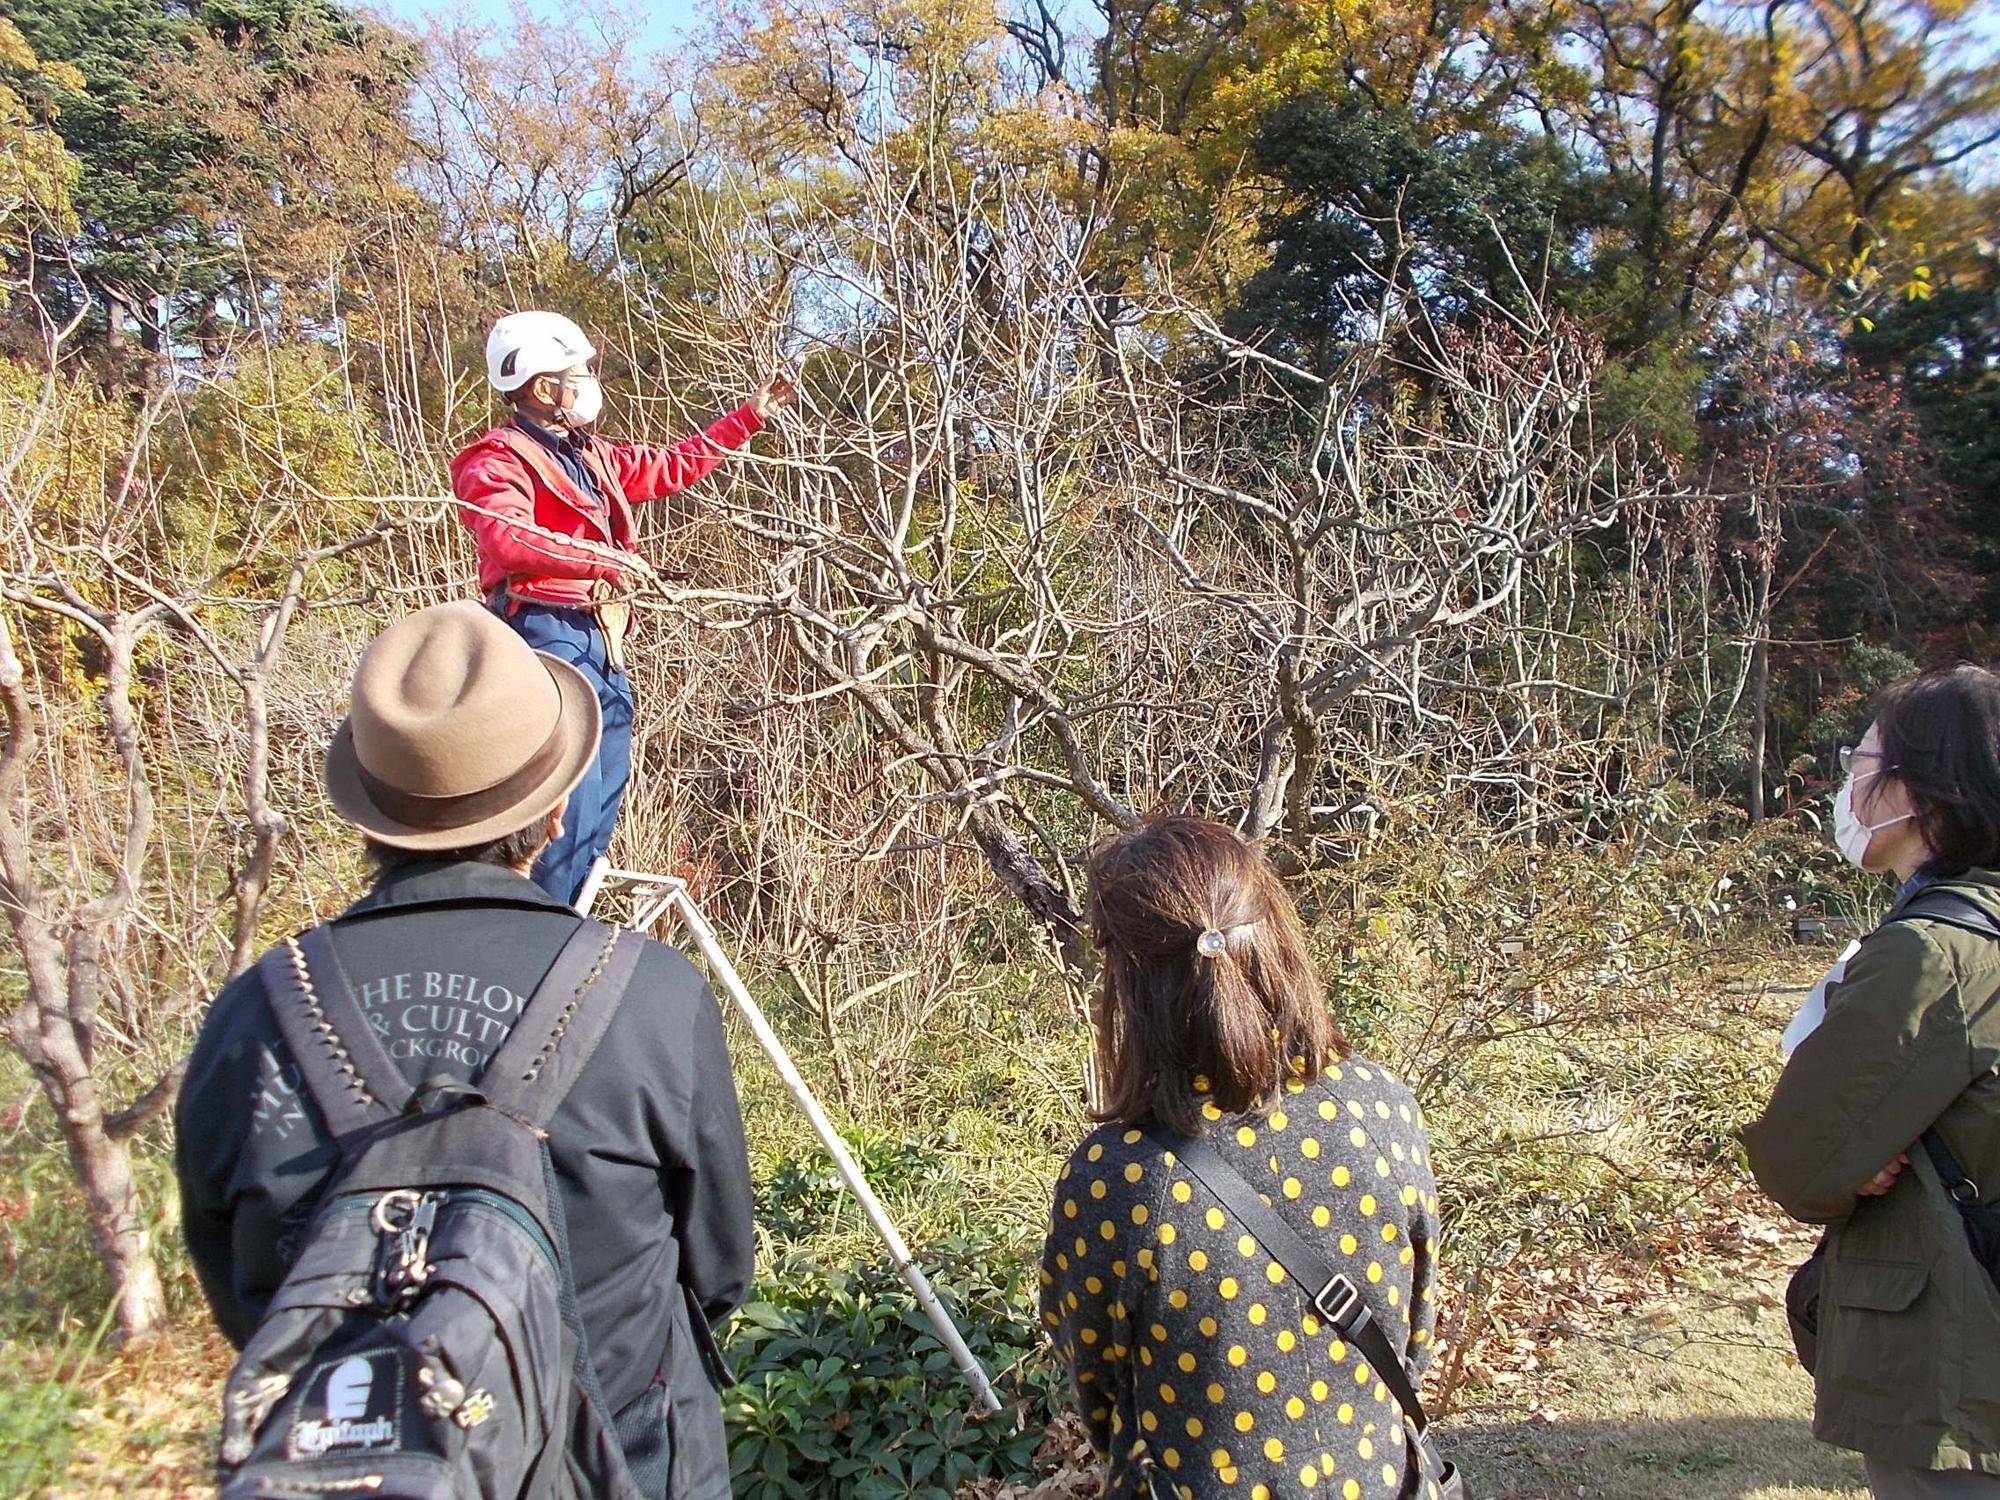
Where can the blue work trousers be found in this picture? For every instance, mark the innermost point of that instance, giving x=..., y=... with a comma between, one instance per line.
x=575, y=636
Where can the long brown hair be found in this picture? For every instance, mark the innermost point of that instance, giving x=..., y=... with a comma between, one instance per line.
x=1242, y=1019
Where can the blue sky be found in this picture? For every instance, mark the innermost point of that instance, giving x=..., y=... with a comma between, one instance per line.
x=662, y=21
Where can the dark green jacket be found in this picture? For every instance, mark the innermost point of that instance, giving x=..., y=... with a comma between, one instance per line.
x=1909, y=1344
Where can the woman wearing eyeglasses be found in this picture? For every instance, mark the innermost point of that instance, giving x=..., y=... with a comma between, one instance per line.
x=1885, y=1124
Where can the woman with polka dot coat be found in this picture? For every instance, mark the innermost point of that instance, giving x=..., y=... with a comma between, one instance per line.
x=1200, y=1367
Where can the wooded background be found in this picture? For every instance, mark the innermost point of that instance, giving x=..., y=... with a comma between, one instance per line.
x=1428, y=435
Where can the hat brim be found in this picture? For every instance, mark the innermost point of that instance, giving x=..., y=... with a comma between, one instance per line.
x=581, y=727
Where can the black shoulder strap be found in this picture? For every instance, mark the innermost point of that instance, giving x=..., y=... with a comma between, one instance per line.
x=1951, y=908
x=1338, y=1299
x=1957, y=911
x=341, y=1061
x=1962, y=1188
x=562, y=1023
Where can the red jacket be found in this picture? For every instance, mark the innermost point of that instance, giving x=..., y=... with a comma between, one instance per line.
x=506, y=478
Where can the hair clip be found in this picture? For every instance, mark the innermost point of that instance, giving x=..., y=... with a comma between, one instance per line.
x=1211, y=943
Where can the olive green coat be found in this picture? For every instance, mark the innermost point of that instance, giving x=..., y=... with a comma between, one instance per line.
x=1909, y=1342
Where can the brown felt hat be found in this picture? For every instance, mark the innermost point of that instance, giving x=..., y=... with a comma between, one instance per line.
x=458, y=732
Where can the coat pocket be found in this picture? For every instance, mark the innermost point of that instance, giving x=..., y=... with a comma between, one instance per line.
x=1878, y=1341
x=1883, y=1286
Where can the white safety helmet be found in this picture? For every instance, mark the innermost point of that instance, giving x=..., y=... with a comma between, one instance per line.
x=523, y=345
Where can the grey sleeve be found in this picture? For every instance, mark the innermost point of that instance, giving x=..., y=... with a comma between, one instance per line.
x=1092, y=1291
x=1421, y=1225
x=709, y=1184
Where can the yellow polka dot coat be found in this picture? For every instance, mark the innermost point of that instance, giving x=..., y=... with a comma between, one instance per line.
x=1193, y=1355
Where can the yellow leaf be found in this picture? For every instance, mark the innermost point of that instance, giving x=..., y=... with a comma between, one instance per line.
x=14, y=49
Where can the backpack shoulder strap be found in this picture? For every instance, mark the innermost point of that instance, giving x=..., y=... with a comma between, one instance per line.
x=1954, y=910
x=1957, y=1182
x=1338, y=1299
x=1950, y=908
x=562, y=1023
x=341, y=1061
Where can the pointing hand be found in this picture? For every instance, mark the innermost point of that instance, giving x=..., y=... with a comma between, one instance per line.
x=773, y=393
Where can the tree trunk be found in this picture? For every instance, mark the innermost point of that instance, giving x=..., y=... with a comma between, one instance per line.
x=53, y=1026
x=1760, y=722
x=1032, y=886
x=46, y=1033
x=117, y=1223
x=49, y=1034
x=210, y=337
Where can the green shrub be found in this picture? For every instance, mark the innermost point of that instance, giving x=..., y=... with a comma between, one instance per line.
x=802, y=1194
x=845, y=1393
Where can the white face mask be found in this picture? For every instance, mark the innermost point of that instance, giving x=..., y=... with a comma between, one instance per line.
x=1850, y=834
x=585, y=403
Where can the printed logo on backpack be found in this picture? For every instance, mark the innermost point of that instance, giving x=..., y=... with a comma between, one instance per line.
x=352, y=1406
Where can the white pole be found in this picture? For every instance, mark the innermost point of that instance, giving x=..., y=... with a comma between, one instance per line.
x=587, y=897
x=985, y=1402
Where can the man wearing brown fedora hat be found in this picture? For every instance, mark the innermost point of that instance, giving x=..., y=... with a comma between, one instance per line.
x=455, y=762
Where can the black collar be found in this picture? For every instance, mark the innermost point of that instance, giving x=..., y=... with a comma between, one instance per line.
x=448, y=882
x=556, y=439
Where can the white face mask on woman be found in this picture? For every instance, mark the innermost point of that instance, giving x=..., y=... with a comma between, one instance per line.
x=1850, y=834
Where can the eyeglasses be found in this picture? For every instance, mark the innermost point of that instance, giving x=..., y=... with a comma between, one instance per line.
x=1849, y=754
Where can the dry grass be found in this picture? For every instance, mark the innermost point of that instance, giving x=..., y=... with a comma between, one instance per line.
x=147, y=1424
x=1669, y=1377
x=140, y=1422
x=1692, y=1395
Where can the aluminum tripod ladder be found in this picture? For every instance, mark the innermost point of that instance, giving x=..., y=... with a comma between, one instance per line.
x=653, y=897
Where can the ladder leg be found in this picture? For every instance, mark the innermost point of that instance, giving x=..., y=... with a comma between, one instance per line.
x=587, y=897
x=985, y=1402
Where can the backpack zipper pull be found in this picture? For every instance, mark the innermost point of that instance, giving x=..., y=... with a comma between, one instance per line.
x=403, y=1219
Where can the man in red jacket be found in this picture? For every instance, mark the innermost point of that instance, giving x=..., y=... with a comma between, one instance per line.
x=550, y=506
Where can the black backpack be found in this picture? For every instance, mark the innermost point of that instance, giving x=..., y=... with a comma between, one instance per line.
x=426, y=1343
